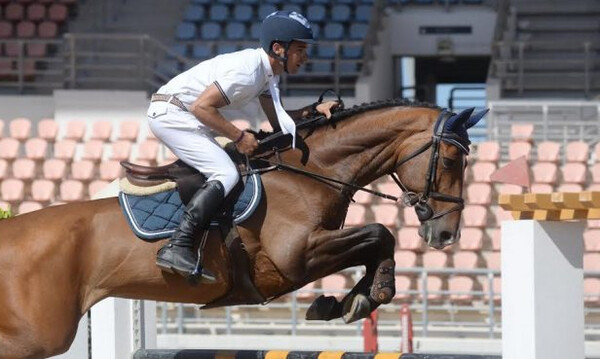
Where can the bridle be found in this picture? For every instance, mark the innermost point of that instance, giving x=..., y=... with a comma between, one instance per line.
x=420, y=200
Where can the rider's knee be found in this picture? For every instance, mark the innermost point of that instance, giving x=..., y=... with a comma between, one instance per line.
x=229, y=177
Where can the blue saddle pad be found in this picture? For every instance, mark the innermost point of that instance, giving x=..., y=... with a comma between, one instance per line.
x=156, y=216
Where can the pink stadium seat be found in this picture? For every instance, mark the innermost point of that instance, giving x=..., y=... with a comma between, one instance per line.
x=3, y=169
x=23, y=169
x=47, y=129
x=10, y=149
x=435, y=259
x=519, y=149
x=334, y=285
x=43, y=190
x=577, y=151
x=591, y=261
x=435, y=286
x=482, y=171
x=54, y=169
x=26, y=30
x=29, y=206
x=356, y=215
x=14, y=12
x=96, y=186
x=242, y=124
x=465, y=260
x=488, y=151
x=36, y=12
x=386, y=214
x=591, y=240
x=496, y=287
x=410, y=217
x=6, y=30
x=148, y=151
x=496, y=237
x=405, y=259
x=75, y=130
x=362, y=197
x=36, y=148
x=71, y=191
x=506, y=188
x=479, y=193
x=120, y=150
x=544, y=172
x=128, y=130
x=409, y=239
x=569, y=187
x=36, y=49
x=47, y=30
x=12, y=190
x=541, y=188
x=595, y=172
x=493, y=260
x=82, y=170
x=101, y=130
x=574, y=172
x=591, y=291
x=404, y=286
x=461, y=289
x=57, y=12
x=522, y=132
x=93, y=150
x=548, y=151
x=471, y=239
x=475, y=216
x=110, y=170
x=20, y=128
x=502, y=215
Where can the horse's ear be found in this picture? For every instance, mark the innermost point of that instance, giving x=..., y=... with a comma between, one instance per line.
x=457, y=121
x=472, y=121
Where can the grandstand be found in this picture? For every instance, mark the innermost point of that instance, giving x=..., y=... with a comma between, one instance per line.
x=75, y=77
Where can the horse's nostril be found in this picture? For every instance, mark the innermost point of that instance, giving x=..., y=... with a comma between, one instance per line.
x=446, y=237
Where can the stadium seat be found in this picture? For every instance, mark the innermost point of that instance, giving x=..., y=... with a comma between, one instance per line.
x=83, y=170
x=315, y=13
x=326, y=51
x=542, y=188
x=409, y=239
x=14, y=12
x=495, y=235
x=507, y=188
x=591, y=291
x=502, y=215
x=386, y=214
x=488, y=151
x=569, y=187
x=482, y=171
x=75, y=130
x=352, y=51
x=577, y=151
x=574, y=172
x=36, y=12
x=65, y=150
x=110, y=170
x=3, y=169
x=306, y=293
x=493, y=260
x=362, y=13
x=292, y=7
x=544, y=172
x=235, y=31
x=356, y=215
x=71, y=191
x=96, y=186
x=435, y=288
x=36, y=148
x=20, y=129
x=548, y=151
x=185, y=31
x=409, y=217
x=465, y=260
x=255, y=31
x=404, y=287
x=47, y=30
x=522, y=132
x=194, y=13
x=479, y=193
x=405, y=259
x=362, y=197
x=54, y=169
x=47, y=129
x=10, y=149
x=12, y=190
x=591, y=261
x=495, y=288
x=340, y=12
x=36, y=49
x=120, y=151
x=58, y=12
x=201, y=51
x=358, y=31
x=334, y=285
x=243, y=12
x=210, y=31
x=101, y=130
x=461, y=289
x=333, y=31
x=475, y=216
x=519, y=149
x=43, y=190
x=24, y=169
x=435, y=259
x=93, y=150
x=591, y=240
x=471, y=239
x=148, y=151
x=218, y=12
x=226, y=48
x=28, y=206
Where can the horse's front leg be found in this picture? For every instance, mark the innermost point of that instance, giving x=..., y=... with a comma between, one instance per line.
x=332, y=251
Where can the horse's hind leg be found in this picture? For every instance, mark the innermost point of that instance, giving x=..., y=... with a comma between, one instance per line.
x=372, y=246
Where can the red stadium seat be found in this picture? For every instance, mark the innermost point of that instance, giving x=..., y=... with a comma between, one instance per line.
x=435, y=259
x=14, y=12
x=577, y=151
x=47, y=30
x=493, y=260
x=58, y=12
x=541, y=188
x=306, y=293
x=435, y=288
x=506, y=188
x=26, y=30
x=36, y=12
x=591, y=291
x=569, y=187
x=496, y=237
x=591, y=261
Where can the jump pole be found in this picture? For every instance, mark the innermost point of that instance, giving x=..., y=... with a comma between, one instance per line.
x=542, y=274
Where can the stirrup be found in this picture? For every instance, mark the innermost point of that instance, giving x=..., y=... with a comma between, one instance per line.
x=199, y=274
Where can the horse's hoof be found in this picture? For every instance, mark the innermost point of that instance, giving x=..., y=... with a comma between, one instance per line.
x=357, y=308
x=324, y=308
x=384, y=286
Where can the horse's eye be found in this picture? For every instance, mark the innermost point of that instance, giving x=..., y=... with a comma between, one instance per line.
x=448, y=163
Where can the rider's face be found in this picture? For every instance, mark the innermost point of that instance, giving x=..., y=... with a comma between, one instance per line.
x=297, y=56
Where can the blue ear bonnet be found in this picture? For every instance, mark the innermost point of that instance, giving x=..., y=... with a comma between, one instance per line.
x=458, y=124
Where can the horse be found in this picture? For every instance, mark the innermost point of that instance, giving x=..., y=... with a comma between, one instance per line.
x=59, y=261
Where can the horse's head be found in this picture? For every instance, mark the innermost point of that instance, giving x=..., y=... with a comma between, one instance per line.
x=431, y=175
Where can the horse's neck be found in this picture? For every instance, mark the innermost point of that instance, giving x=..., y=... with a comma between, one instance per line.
x=366, y=147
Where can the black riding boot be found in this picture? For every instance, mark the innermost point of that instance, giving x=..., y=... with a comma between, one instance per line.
x=178, y=255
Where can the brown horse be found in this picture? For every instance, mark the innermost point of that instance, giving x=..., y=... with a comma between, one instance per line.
x=58, y=262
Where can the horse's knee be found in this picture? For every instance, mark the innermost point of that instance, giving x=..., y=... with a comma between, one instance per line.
x=384, y=236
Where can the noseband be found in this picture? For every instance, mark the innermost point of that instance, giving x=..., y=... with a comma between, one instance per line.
x=420, y=200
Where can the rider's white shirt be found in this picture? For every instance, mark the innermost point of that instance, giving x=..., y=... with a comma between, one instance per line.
x=240, y=76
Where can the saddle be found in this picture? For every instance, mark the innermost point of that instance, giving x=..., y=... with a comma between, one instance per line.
x=188, y=180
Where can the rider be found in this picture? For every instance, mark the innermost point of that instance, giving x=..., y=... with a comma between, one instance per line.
x=185, y=114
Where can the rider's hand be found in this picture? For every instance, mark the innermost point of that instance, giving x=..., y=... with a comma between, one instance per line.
x=326, y=107
x=247, y=144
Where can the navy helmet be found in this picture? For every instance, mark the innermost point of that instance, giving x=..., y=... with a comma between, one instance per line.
x=284, y=27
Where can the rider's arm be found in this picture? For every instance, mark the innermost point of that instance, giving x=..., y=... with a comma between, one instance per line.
x=206, y=109
x=266, y=102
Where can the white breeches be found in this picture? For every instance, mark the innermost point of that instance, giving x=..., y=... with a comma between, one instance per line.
x=192, y=142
